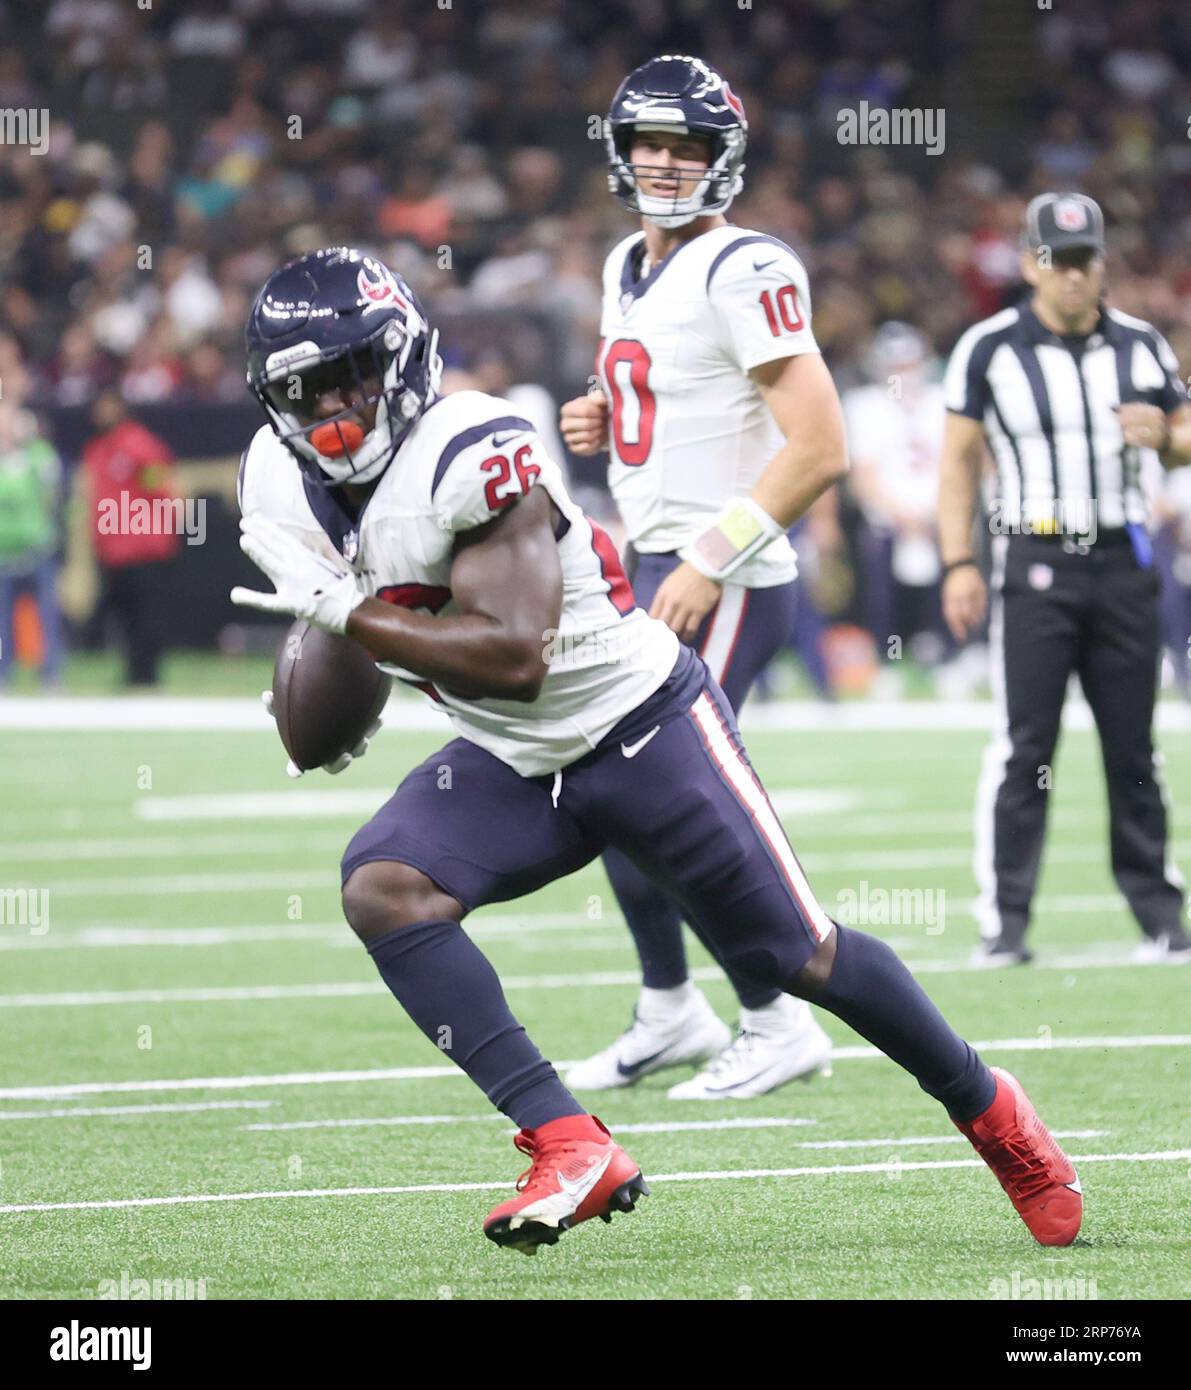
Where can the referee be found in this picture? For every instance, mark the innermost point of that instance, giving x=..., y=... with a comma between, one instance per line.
x=1069, y=395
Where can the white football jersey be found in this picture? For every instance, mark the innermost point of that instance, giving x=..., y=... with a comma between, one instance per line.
x=688, y=428
x=465, y=460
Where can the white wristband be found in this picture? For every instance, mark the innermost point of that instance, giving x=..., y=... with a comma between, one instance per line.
x=741, y=530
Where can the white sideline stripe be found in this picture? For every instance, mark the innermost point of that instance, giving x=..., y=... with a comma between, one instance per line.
x=488, y=928
x=338, y=989
x=364, y=801
x=300, y=801
x=652, y=1127
x=316, y=1078
x=353, y=989
x=153, y=713
x=865, y=861
x=663, y=1127
x=173, y=1108
x=113, y=937
x=165, y=847
x=500, y=927
x=226, y=1083
x=167, y=885
x=711, y=1175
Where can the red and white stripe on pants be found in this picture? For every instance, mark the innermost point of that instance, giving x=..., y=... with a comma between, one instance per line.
x=750, y=793
x=727, y=623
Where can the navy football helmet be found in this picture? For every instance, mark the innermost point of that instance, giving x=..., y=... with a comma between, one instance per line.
x=340, y=320
x=684, y=95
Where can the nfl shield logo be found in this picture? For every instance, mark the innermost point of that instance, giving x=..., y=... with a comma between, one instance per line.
x=351, y=546
x=626, y=303
x=1071, y=216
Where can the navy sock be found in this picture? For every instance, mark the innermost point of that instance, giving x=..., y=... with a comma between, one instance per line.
x=445, y=983
x=874, y=993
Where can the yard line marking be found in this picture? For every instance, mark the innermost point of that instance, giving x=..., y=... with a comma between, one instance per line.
x=111, y=938
x=215, y=994
x=164, y=847
x=316, y=1078
x=348, y=989
x=663, y=1127
x=709, y=1175
x=864, y=861
x=167, y=885
x=154, y=713
x=365, y=801
x=173, y=1108
x=279, y=805
x=336, y=989
x=921, y=1139
x=1040, y=1044
x=226, y=1083
x=386, y=1120
x=950, y=857
x=490, y=928
x=659, y=1127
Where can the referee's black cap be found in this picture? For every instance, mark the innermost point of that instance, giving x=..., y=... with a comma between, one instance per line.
x=1064, y=220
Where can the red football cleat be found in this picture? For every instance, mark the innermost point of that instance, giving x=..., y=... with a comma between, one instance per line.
x=577, y=1171
x=1029, y=1164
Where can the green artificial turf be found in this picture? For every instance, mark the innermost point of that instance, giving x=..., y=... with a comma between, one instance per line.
x=81, y=822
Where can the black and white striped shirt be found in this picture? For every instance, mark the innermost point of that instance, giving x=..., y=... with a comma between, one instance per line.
x=1048, y=406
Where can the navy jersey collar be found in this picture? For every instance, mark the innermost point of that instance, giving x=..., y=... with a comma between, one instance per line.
x=333, y=514
x=631, y=288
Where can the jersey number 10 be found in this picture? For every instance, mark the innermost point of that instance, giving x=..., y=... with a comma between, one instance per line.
x=634, y=406
x=787, y=310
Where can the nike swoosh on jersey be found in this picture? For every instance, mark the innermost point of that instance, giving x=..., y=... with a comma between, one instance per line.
x=499, y=439
x=765, y=264
x=580, y=1187
x=630, y=750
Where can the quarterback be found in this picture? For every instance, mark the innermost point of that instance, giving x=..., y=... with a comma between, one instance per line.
x=720, y=420
x=435, y=531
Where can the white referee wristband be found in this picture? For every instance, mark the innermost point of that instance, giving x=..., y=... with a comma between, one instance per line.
x=741, y=530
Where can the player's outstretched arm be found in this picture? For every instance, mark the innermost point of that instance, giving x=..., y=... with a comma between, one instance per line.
x=506, y=579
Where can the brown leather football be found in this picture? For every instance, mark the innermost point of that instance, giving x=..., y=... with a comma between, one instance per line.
x=327, y=694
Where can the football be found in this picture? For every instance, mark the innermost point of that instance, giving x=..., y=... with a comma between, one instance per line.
x=327, y=694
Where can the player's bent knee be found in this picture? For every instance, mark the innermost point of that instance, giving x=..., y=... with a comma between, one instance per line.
x=813, y=977
x=382, y=895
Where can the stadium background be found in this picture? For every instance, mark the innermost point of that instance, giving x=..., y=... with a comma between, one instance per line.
x=194, y=147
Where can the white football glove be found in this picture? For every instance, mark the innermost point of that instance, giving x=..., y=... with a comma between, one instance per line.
x=344, y=760
x=308, y=585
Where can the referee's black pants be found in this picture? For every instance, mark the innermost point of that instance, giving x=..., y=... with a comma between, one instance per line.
x=1055, y=611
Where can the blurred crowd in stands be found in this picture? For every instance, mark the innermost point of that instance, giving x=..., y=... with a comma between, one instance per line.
x=192, y=148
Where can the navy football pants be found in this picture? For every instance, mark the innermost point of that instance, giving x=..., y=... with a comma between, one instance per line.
x=687, y=810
